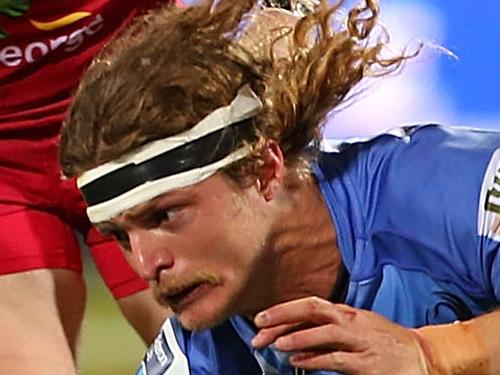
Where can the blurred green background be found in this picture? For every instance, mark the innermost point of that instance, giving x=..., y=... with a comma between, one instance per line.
x=109, y=346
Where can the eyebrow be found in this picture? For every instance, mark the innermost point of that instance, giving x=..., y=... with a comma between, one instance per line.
x=107, y=227
x=137, y=213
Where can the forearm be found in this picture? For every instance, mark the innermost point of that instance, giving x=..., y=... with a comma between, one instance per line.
x=465, y=348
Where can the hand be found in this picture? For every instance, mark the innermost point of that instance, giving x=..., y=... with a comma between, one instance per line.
x=327, y=336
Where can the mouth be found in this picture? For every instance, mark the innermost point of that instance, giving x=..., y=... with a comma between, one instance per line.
x=179, y=298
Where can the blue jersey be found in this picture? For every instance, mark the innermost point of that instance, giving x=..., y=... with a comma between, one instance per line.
x=417, y=214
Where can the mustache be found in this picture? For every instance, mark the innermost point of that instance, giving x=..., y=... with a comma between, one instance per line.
x=175, y=284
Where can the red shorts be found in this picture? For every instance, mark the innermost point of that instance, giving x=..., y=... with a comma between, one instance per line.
x=40, y=213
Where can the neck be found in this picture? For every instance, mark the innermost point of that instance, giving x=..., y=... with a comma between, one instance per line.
x=303, y=258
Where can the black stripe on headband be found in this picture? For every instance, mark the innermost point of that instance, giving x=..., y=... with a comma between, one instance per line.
x=203, y=151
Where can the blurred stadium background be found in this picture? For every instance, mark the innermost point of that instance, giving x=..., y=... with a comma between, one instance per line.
x=436, y=88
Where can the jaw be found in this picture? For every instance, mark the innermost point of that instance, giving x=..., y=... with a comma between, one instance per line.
x=201, y=306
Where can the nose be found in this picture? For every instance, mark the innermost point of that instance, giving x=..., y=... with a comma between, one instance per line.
x=150, y=254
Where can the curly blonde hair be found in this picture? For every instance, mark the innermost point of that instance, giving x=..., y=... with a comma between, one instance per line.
x=176, y=65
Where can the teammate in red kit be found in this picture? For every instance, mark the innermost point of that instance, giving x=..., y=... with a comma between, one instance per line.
x=44, y=48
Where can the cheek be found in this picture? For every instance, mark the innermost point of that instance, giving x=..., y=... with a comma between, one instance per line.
x=228, y=251
x=225, y=237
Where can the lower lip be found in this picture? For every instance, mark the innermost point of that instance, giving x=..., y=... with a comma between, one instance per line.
x=189, y=298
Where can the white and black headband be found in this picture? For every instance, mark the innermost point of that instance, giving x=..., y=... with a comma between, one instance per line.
x=170, y=163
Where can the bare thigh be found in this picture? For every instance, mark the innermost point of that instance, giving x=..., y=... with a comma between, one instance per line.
x=40, y=317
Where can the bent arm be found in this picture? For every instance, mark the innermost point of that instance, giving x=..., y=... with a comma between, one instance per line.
x=464, y=348
x=321, y=335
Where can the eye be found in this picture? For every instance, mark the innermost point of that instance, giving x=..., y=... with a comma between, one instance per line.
x=167, y=217
x=161, y=216
x=122, y=237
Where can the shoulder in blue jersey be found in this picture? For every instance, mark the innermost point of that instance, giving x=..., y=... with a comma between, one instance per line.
x=409, y=207
x=417, y=212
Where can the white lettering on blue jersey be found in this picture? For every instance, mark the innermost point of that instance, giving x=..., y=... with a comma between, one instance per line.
x=165, y=357
x=488, y=220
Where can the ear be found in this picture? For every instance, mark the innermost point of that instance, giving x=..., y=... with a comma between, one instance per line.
x=272, y=172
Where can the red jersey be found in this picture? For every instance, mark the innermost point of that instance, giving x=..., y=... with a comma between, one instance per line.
x=44, y=48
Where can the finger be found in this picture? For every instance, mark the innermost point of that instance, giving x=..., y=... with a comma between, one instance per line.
x=267, y=336
x=310, y=309
x=330, y=336
x=344, y=362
